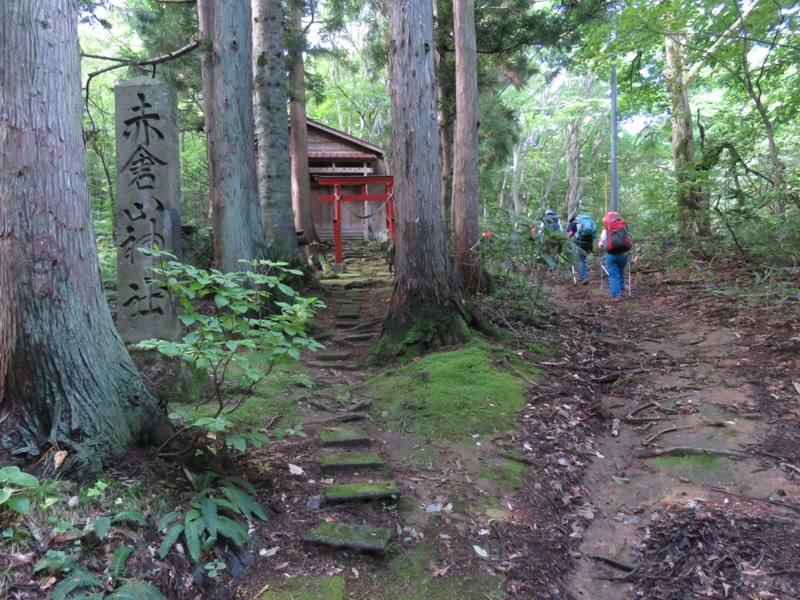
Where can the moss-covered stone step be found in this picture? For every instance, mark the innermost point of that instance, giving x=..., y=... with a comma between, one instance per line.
x=360, y=336
x=343, y=435
x=332, y=355
x=304, y=588
x=354, y=537
x=346, y=323
x=347, y=310
x=347, y=462
x=341, y=365
x=350, y=492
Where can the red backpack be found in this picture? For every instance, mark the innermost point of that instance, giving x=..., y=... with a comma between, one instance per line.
x=618, y=240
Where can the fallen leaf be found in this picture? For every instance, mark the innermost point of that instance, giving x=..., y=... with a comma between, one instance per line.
x=480, y=552
x=796, y=386
x=295, y=470
x=271, y=552
x=59, y=457
x=441, y=572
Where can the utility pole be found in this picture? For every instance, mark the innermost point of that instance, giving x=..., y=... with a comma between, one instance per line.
x=614, y=185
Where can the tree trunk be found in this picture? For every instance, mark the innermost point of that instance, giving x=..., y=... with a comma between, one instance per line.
x=426, y=308
x=445, y=107
x=228, y=93
x=66, y=379
x=691, y=212
x=465, y=155
x=301, y=179
x=272, y=128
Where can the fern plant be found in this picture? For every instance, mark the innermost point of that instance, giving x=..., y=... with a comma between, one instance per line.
x=77, y=582
x=222, y=509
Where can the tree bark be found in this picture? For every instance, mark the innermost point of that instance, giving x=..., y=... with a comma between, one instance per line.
x=465, y=155
x=225, y=28
x=426, y=308
x=272, y=129
x=690, y=209
x=301, y=179
x=66, y=379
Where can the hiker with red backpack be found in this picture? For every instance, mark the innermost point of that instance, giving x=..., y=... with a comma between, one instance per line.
x=617, y=242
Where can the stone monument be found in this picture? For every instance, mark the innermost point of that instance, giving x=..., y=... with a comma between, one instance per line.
x=148, y=203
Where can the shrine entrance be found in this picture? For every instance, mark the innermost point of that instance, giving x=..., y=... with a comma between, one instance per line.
x=337, y=198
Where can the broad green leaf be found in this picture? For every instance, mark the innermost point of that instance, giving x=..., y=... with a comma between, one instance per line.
x=20, y=504
x=17, y=477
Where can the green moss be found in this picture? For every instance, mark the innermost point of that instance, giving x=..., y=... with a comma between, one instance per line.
x=454, y=394
x=275, y=394
x=690, y=463
x=504, y=473
x=304, y=588
x=410, y=575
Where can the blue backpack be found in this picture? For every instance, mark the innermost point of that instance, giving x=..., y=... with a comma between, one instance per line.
x=586, y=228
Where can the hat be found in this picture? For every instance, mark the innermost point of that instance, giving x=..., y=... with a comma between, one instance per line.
x=549, y=213
x=611, y=216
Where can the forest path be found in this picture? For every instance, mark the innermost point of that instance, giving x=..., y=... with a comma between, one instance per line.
x=710, y=390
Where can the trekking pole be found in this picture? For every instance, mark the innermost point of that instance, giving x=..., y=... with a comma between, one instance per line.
x=630, y=279
x=574, y=276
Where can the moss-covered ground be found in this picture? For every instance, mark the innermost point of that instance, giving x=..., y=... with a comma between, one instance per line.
x=475, y=390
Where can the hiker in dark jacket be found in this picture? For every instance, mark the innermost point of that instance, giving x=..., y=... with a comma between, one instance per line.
x=583, y=246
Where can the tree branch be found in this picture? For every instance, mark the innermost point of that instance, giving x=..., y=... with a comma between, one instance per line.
x=140, y=63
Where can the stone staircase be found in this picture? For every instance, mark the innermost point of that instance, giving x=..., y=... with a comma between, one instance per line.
x=356, y=466
x=362, y=477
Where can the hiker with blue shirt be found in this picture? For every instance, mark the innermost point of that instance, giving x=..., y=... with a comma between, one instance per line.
x=581, y=230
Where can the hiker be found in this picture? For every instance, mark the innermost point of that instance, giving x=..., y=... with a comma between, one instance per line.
x=550, y=222
x=617, y=242
x=582, y=231
x=551, y=245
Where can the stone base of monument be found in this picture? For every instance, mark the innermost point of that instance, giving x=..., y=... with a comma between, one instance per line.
x=338, y=267
x=170, y=380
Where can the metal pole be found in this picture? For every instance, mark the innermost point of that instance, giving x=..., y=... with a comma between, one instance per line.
x=614, y=186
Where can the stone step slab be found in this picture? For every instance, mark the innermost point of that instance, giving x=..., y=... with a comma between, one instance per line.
x=326, y=355
x=334, y=364
x=352, y=492
x=347, y=462
x=362, y=538
x=343, y=435
x=346, y=323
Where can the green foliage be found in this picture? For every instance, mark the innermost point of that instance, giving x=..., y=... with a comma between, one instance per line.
x=76, y=581
x=222, y=508
x=256, y=323
x=17, y=490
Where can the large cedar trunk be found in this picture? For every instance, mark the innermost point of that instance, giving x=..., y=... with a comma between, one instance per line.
x=426, y=307
x=274, y=175
x=66, y=379
x=228, y=94
x=465, y=156
x=301, y=180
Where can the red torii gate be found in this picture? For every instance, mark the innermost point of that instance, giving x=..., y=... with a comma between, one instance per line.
x=337, y=198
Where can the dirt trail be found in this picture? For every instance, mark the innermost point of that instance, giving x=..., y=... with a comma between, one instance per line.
x=678, y=376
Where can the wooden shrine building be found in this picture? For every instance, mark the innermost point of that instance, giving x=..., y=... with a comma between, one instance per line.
x=333, y=154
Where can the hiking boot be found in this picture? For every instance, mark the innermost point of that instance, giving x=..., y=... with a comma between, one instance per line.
x=616, y=299
x=585, y=281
